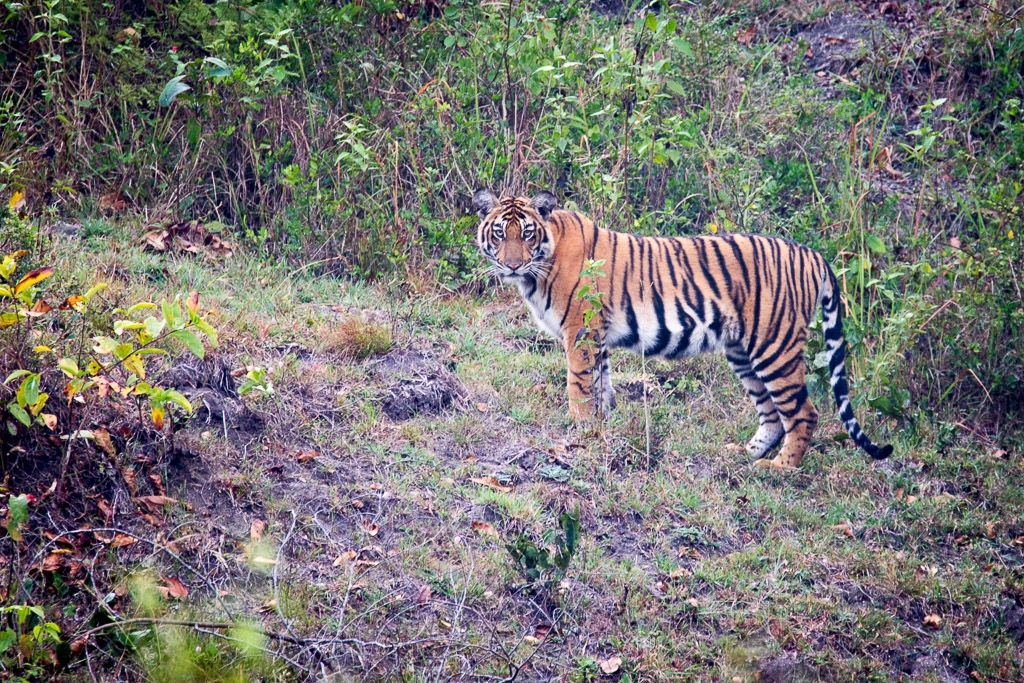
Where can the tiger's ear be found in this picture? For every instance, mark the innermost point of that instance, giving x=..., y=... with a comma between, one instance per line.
x=484, y=201
x=545, y=203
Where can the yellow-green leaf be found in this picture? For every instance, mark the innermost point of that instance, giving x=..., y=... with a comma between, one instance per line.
x=207, y=329
x=178, y=398
x=153, y=326
x=8, y=319
x=33, y=278
x=69, y=366
x=28, y=390
x=40, y=403
x=98, y=287
x=19, y=412
x=134, y=363
x=17, y=200
x=104, y=345
x=122, y=351
x=16, y=374
x=42, y=349
x=121, y=325
x=874, y=244
x=139, y=306
x=191, y=341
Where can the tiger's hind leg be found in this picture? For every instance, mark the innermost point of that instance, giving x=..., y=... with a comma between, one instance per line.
x=769, y=430
x=799, y=418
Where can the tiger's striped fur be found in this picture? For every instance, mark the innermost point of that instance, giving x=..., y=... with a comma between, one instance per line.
x=750, y=295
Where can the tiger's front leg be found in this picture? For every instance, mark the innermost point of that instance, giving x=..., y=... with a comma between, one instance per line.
x=603, y=382
x=583, y=351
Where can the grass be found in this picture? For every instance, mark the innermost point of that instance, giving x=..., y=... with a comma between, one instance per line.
x=694, y=566
x=358, y=337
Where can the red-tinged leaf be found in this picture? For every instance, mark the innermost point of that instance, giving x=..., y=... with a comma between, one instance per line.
x=933, y=621
x=305, y=456
x=156, y=240
x=746, y=36
x=34, y=277
x=346, y=557
x=423, y=594
x=192, y=303
x=78, y=645
x=158, y=418
x=129, y=478
x=122, y=540
x=610, y=665
x=370, y=528
x=844, y=529
x=176, y=588
x=105, y=509
x=101, y=437
x=52, y=562
x=486, y=530
x=112, y=201
x=154, y=520
x=158, y=483
x=71, y=302
x=256, y=529
x=155, y=503
x=491, y=482
x=40, y=307
x=49, y=420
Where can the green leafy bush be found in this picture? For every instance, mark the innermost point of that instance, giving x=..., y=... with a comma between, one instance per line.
x=548, y=561
x=105, y=368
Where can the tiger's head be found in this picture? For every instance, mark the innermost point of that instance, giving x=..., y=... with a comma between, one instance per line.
x=514, y=234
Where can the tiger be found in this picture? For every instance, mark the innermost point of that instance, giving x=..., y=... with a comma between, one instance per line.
x=752, y=296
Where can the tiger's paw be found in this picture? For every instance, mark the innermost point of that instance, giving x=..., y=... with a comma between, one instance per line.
x=773, y=464
x=580, y=411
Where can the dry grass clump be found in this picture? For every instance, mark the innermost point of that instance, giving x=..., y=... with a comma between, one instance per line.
x=358, y=337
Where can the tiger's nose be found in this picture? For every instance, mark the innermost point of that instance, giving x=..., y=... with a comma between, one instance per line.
x=514, y=266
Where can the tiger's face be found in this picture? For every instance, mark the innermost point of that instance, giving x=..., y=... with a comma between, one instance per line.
x=514, y=234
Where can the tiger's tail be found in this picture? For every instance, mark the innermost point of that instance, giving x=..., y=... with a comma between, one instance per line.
x=835, y=344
